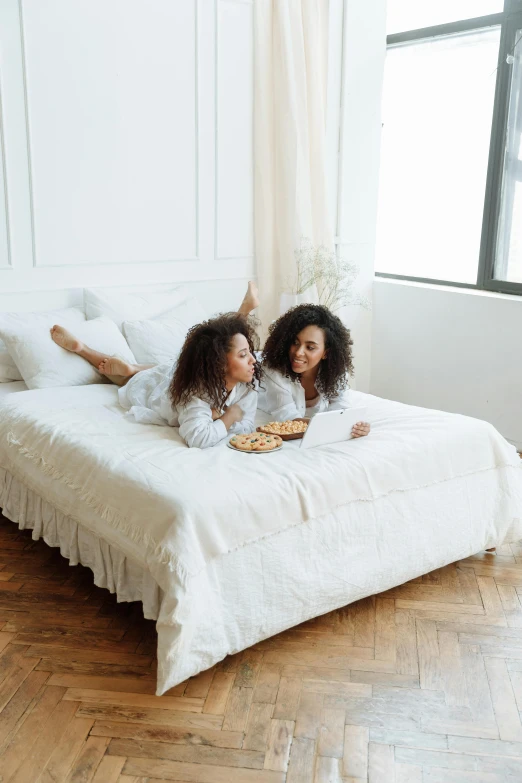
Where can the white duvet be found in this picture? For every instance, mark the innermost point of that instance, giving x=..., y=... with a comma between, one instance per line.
x=440, y=485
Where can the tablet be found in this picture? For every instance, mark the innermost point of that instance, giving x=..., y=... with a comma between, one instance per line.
x=332, y=427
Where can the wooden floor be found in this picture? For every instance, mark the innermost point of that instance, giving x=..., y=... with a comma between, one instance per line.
x=419, y=684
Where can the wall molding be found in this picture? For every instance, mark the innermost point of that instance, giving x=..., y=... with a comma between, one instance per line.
x=90, y=264
x=250, y=3
x=87, y=263
x=39, y=261
x=217, y=293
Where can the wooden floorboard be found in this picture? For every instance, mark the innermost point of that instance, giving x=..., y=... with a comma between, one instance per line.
x=421, y=684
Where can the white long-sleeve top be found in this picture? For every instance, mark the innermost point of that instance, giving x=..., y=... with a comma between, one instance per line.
x=146, y=396
x=147, y=400
x=284, y=398
x=197, y=428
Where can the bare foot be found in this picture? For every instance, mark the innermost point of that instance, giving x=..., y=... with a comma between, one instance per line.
x=114, y=366
x=65, y=339
x=251, y=300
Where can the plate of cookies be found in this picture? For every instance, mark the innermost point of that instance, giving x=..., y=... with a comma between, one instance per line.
x=255, y=443
x=286, y=430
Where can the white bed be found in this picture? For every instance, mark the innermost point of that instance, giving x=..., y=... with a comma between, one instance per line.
x=10, y=388
x=226, y=549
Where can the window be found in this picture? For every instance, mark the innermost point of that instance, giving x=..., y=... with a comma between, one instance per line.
x=508, y=255
x=414, y=14
x=450, y=200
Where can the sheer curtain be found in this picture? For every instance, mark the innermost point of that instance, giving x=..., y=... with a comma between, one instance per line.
x=289, y=145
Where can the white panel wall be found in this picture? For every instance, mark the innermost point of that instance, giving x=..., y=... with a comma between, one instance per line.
x=234, y=131
x=5, y=254
x=125, y=142
x=112, y=130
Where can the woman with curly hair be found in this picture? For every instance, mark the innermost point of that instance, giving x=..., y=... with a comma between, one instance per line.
x=306, y=361
x=209, y=391
x=213, y=387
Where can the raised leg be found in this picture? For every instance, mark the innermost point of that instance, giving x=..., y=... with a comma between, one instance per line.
x=250, y=300
x=116, y=370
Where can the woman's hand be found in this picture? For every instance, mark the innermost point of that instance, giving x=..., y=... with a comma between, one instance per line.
x=236, y=412
x=232, y=415
x=360, y=429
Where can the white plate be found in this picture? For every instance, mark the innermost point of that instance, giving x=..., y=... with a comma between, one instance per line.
x=272, y=451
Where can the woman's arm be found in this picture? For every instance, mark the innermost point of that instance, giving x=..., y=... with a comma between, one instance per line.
x=197, y=427
x=248, y=404
x=200, y=426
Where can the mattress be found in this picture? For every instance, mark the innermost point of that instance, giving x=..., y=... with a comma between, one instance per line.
x=226, y=549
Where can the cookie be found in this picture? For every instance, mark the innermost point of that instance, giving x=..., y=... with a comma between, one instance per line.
x=265, y=444
x=289, y=427
x=241, y=442
x=255, y=441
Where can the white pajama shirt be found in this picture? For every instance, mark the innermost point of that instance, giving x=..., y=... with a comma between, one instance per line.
x=284, y=398
x=147, y=400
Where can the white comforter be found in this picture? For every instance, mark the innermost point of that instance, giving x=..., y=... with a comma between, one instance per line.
x=187, y=510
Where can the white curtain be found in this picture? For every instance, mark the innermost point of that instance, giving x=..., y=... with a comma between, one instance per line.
x=289, y=148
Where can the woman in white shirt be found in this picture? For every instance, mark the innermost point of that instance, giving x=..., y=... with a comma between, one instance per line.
x=214, y=383
x=209, y=392
x=306, y=361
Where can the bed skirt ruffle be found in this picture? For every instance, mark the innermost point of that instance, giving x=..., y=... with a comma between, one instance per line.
x=112, y=569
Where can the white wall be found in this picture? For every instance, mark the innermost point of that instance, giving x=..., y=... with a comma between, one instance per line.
x=126, y=147
x=451, y=349
x=126, y=143
x=364, y=47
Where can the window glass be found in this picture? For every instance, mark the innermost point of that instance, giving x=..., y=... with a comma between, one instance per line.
x=413, y=14
x=437, y=112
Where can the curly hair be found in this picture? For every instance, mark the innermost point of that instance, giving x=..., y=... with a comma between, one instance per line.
x=202, y=362
x=332, y=375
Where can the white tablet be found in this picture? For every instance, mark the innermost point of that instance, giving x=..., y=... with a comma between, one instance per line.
x=331, y=427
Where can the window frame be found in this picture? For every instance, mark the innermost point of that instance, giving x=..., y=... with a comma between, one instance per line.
x=509, y=20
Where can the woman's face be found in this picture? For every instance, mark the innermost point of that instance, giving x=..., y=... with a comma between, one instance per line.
x=307, y=350
x=240, y=362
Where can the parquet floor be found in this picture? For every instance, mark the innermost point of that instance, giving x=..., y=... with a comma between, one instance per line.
x=422, y=684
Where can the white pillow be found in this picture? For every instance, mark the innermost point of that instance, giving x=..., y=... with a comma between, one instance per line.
x=43, y=364
x=159, y=340
x=121, y=306
x=8, y=369
x=13, y=321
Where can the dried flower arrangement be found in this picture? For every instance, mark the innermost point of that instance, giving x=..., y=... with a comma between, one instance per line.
x=333, y=278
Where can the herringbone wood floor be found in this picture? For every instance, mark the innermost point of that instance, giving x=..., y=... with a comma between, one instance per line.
x=422, y=683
